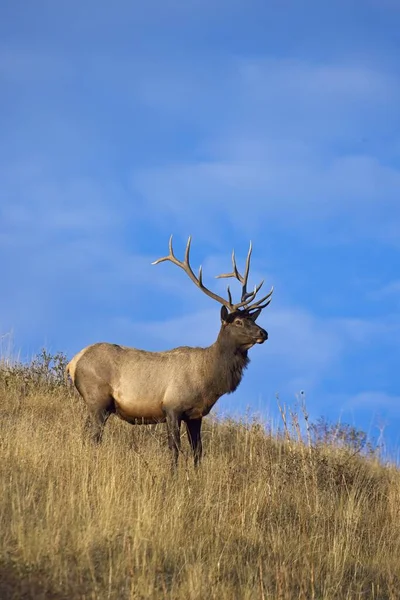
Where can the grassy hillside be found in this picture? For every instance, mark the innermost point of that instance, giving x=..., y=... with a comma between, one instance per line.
x=266, y=516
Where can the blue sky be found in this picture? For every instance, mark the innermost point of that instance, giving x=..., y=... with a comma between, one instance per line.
x=276, y=121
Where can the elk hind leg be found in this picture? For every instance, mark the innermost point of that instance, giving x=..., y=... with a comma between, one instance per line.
x=99, y=401
x=95, y=422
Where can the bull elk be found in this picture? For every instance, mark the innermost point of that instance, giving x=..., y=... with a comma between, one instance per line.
x=181, y=384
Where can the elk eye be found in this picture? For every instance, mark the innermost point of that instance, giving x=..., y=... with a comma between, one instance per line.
x=239, y=322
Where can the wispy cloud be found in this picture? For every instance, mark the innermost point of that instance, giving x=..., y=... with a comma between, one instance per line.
x=390, y=290
x=289, y=170
x=302, y=348
x=120, y=127
x=377, y=400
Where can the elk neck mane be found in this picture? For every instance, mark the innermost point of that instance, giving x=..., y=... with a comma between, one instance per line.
x=231, y=362
x=235, y=370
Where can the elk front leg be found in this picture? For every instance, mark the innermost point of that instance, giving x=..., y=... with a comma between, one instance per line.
x=194, y=434
x=174, y=436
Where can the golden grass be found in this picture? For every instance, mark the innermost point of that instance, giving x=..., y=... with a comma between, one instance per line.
x=262, y=518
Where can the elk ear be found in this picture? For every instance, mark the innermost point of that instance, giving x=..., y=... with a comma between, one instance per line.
x=224, y=314
x=254, y=316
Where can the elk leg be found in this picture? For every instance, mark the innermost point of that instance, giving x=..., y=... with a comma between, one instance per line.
x=174, y=436
x=193, y=428
x=95, y=422
x=100, y=404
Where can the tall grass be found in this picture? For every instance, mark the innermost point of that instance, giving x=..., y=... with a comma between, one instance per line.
x=266, y=516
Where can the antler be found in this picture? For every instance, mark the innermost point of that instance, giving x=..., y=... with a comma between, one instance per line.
x=247, y=297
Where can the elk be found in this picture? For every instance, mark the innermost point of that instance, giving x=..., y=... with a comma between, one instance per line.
x=181, y=384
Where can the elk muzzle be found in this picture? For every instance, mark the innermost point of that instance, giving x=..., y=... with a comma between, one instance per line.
x=262, y=336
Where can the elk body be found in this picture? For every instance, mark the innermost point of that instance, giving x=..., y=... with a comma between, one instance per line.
x=181, y=384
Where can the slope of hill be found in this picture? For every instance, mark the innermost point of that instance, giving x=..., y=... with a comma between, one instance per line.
x=267, y=515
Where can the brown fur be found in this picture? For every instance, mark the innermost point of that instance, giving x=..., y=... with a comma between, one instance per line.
x=182, y=384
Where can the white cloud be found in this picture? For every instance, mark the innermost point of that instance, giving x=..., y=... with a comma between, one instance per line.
x=300, y=342
x=313, y=101
x=193, y=329
x=377, y=400
x=367, y=331
x=35, y=199
x=302, y=347
x=357, y=189
x=316, y=78
x=275, y=99
x=275, y=145
x=388, y=291
x=270, y=143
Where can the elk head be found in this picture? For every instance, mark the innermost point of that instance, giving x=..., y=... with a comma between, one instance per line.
x=238, y=320
x=241, y=329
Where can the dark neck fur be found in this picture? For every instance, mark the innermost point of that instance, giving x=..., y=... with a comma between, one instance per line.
x=231, y=362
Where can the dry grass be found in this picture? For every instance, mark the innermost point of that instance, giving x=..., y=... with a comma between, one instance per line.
x=264, y=517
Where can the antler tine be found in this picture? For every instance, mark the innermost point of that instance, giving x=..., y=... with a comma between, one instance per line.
x=246, y=272
x=235, y=269
x=247, y=297
x=187, y=251
x=228, y=289
x=185, y=265
x=235, y=272
x=170, y=257
x=263, y=302
x=200, y=277
x=253, y=294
